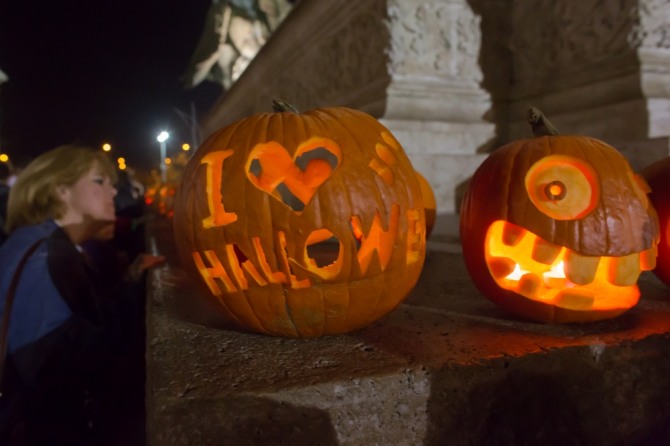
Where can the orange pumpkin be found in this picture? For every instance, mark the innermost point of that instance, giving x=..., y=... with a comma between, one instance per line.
x=658, y=176
x=558, y=228
x=429, y=203
x=302, y=224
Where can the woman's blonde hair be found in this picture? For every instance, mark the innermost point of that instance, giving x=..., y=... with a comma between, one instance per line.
x=33, y=198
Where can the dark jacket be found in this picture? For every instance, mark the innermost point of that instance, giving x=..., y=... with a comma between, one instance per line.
x=64, y=331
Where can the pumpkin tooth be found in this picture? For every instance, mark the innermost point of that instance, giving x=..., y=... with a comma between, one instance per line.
x=529, y=285
x=545, y=252
x=648, y=258
x=575, y=299
x=512, y=234
x=579, y=269
x=501, y=266
x=624, y=271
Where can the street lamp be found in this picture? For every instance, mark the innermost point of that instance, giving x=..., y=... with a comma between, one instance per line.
x=106, y=147
x=161, y=138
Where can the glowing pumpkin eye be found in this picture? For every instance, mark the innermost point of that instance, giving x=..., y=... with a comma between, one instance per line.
x=555, y=190
x=562, y=187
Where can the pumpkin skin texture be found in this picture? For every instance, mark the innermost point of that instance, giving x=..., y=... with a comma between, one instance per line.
x=658, y=177
x=429, y=203
x=302, y=224
x=557, y=229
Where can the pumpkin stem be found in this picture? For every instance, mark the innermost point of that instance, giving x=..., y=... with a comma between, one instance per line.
x=279, y=106
x=539, y=123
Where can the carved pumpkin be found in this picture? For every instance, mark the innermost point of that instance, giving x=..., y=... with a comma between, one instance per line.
x=658, y=177
x=429, y=203
x=558, y=228
x=302, y=224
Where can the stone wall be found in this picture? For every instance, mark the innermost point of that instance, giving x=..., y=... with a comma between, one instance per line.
x=452, y=79
x=596, y=67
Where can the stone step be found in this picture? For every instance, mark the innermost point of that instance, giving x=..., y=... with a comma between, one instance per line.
x=444, y=368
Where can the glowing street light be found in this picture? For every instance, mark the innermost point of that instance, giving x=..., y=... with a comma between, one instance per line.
x=4, y=158
x=186, y=147
x=106, y=147
x=161, y=138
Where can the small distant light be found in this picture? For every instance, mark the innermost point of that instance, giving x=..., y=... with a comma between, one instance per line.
x=4, y=158
x=186, y=147
x=168, y=161
x=122, y=167
x=106, y=147
x=121, y=160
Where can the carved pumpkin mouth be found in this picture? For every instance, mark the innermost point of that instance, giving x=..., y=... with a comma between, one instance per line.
x=521, y=262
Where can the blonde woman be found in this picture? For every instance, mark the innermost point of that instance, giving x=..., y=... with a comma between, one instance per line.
x=62, y=328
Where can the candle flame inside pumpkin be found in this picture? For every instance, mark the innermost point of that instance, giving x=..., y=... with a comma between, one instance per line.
x=525, y=264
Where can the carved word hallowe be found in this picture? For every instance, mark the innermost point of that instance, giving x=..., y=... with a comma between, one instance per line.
x=242, y=270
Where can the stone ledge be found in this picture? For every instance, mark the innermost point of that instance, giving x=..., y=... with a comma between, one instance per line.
x=446, y=367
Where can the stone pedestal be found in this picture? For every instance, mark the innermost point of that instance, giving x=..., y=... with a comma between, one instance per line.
x=444, y=368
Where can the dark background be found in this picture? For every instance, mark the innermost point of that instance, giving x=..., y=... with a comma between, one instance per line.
x=96, y=71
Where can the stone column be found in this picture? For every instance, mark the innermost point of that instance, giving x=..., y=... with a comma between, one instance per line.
x=435, y=104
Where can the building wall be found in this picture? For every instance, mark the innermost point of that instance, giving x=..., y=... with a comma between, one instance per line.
x=452, y=79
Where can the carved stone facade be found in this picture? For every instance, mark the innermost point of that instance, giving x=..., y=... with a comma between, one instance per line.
x=326, y=53
x=453, y=79
x=596, y=67
x=396, y=60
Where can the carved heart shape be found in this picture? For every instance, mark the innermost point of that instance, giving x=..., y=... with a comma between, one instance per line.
x=293, y=181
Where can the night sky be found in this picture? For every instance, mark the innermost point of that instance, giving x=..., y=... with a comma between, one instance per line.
x=95, y=71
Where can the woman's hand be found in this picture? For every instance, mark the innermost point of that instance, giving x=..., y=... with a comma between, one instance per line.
x=142, y=263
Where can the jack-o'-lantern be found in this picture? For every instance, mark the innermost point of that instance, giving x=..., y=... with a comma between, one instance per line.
x=302, y=224
x=557, y=228
x=658, y=176
x=429, y=203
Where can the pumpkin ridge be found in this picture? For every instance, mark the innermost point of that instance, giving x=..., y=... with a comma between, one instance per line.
x=383, y=214
x=264, y=122
x=249, y=128
x=354, y=269
x=200, y=239
x=607, y=248
x=515, y=187
x=309, y=212
x=381, y=185
x=367, y=222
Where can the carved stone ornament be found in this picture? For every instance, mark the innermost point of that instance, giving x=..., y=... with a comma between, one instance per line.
x=653, y=27
x=337, y=62
x=438, y=39
x=557, y=37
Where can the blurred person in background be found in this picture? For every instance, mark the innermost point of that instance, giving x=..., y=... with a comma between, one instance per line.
x=5, y=177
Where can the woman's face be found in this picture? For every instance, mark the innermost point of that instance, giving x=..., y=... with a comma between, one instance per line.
x=91, y=198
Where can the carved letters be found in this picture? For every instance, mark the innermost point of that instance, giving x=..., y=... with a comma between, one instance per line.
x=230, y=272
